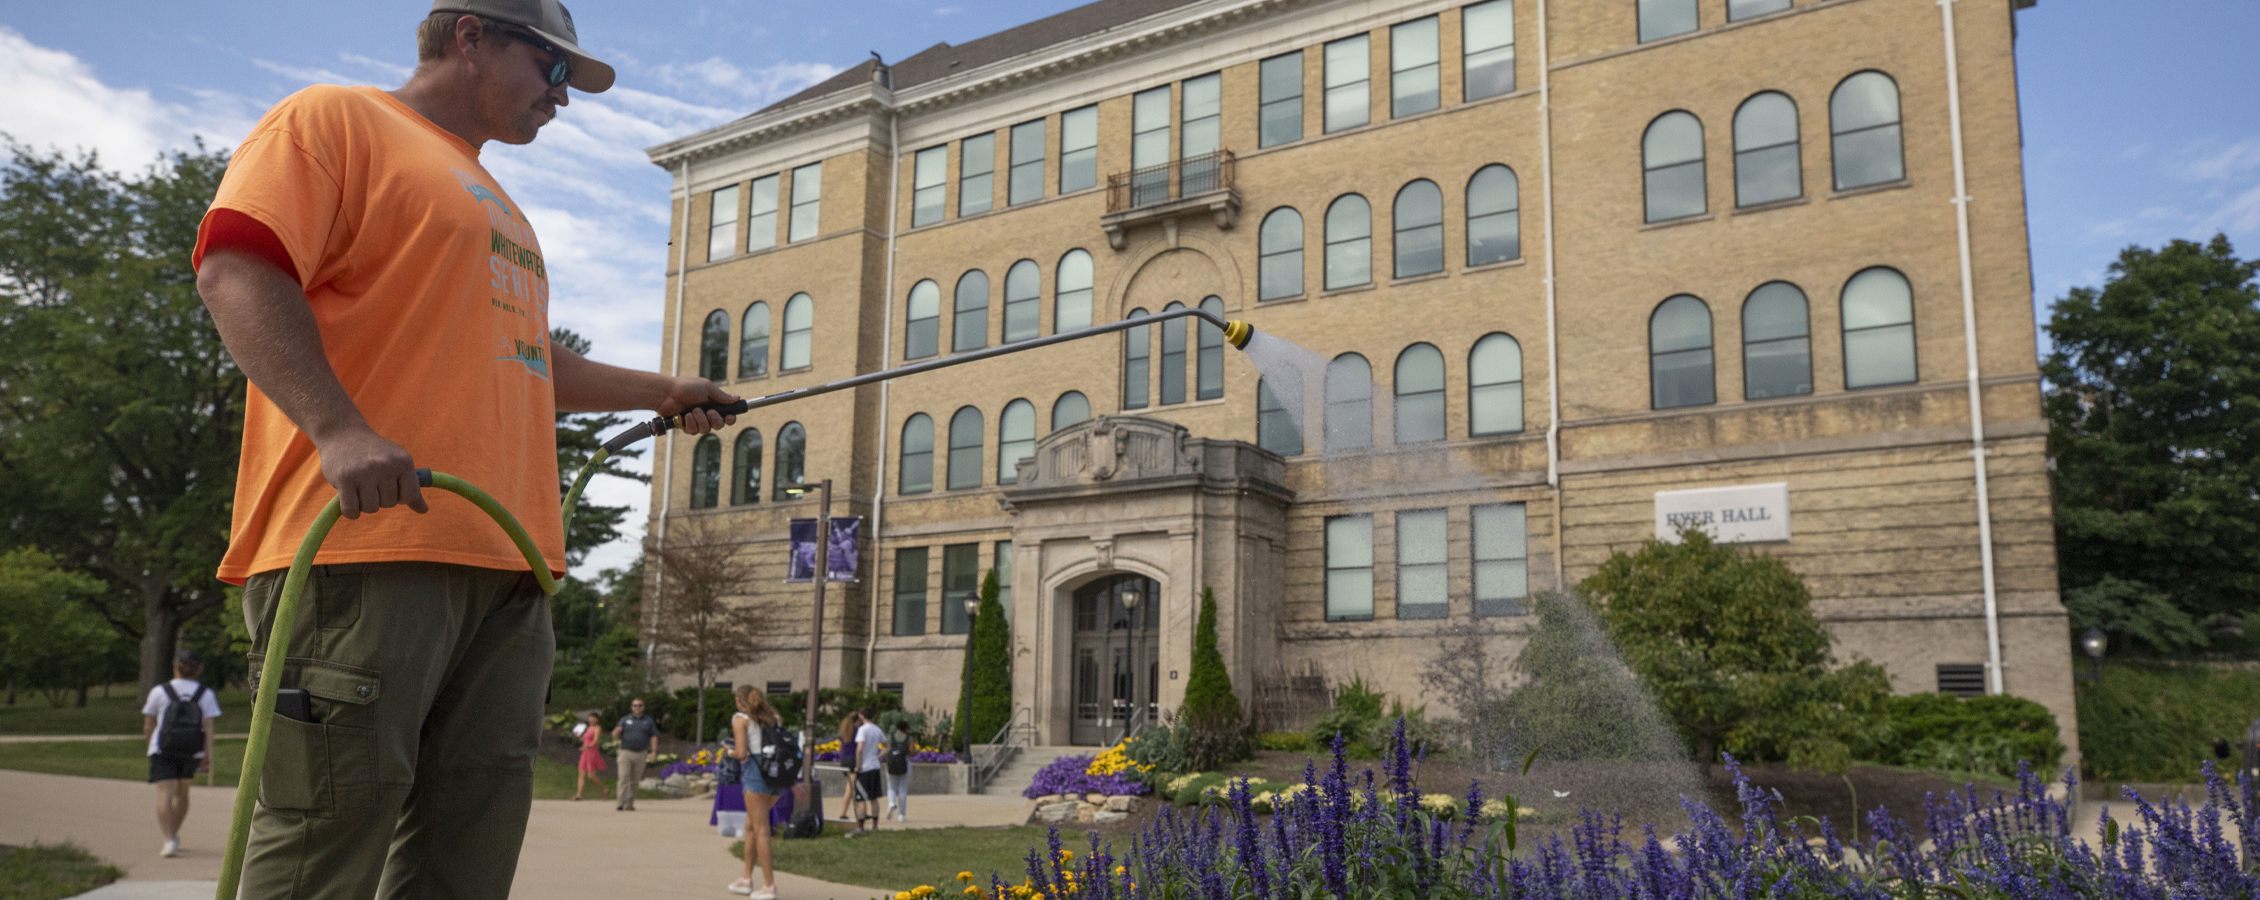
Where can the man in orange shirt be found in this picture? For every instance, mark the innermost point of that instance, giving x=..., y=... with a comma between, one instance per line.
x=389, y=302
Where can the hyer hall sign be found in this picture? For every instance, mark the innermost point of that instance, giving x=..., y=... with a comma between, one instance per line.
x=1743, y=514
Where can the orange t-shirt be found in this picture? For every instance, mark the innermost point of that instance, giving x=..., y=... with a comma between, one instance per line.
x=433, y=303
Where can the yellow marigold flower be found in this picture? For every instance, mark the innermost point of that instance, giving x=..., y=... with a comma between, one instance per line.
x=972, y=890
x=902, y=895
x=1121, y=870
x=1065, y=855
x=965, y=876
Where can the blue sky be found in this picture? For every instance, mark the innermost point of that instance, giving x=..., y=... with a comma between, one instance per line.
x=2139, y=126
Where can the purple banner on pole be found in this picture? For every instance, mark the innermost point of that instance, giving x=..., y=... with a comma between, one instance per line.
x=842, y=558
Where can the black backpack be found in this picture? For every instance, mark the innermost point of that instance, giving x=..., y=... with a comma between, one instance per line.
x=779, y=758
x=898, y=757
x=182, y=731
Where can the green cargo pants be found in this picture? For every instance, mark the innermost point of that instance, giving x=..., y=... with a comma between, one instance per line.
x=416, y=775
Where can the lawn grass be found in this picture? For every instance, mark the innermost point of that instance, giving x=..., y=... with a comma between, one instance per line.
x=119, y=713
x=129, y=761
x=51, y=872
x=904, y=858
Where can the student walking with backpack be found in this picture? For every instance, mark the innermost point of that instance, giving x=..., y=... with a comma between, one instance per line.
x=898, y=772
x=770, y=764
x=178, y=719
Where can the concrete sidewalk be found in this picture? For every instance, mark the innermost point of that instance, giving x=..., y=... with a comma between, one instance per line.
x=573, y=849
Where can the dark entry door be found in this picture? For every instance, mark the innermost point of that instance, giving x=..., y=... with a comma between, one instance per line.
x=1114, y=661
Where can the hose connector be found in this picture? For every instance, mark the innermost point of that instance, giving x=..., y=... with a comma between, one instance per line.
x=1238, y=333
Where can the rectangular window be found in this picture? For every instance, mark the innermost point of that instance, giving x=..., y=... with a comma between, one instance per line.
x=910, y=591
x=961, y=586
x=1349, y=568
x=1502, y=559
x=1137, y=362
x=1415, y=68
x=721, y=225
x=1149, y=146
x=976, y=174
x=808, y=188
x=1487, y=42
x=1078, y=149
x=1421, y=561
x=1281, y=113
x=929, y=172
x=1202, y=134
x=1737, y=10
x=761, y=220
x=885, y=687
x=1661, y=19
x=1027, y=175
x=778, y=688
x=1349, y=73
x=1003, y=565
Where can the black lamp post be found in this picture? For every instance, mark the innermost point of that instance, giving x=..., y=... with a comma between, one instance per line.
x=1130, y=603
x=965, y=677
x=2093, y=643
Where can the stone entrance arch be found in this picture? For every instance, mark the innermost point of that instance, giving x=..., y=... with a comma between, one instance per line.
x=1128, y=495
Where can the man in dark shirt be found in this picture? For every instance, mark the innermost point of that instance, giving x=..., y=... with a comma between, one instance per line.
x=638, y=736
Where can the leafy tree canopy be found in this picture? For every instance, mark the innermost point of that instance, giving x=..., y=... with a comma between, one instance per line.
x=2153, y=406
x=578, y=437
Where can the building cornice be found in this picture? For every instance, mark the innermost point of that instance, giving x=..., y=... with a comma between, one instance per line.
x=1151, y=33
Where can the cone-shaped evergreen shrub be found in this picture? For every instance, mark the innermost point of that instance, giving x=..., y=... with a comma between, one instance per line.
x=1208, y=690
x=985, y=699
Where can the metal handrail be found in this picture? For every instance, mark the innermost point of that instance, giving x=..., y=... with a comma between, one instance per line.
x=1008, y=739
x=1176, y=179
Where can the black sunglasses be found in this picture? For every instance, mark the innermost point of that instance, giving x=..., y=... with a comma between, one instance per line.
x=561, y=65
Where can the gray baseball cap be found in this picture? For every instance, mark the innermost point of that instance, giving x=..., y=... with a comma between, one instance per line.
x=548, y=19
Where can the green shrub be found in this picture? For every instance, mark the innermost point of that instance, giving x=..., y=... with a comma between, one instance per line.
x=1157, y=747
x=2158, y=721
x=985, y=696
x=1190, y=793
x=1357, y=716
x=1973, y=734
x=1286, y=742
x=1208, y=687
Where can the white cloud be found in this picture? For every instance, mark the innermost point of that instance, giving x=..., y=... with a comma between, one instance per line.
x=2232, y=161
x=719, y=79
x=53, y=100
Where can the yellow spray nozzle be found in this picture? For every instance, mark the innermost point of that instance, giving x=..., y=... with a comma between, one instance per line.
x=1238, y=333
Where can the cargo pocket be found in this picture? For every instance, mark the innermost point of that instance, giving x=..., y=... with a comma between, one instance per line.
x=329, y=766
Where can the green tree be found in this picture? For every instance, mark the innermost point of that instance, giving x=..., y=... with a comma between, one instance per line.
x=578, y=437
x=50, y=637
x=1577, y=699
x=985, y=697
x=1726, y=642
x=2153, y=402
x=1208, y=687
x=120, y=411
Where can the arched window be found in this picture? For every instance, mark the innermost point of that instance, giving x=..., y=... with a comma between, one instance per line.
x=1777, y=343
x=1671, y=161
x=1279, y=255
x=753, y=342
x=1879, y=329
x=969, y=328
x=1349, y=403
x=1211, y=346
x=1494, y=386
x=965, y=449
x=1173, y=357
x=1661, y=19
x=1679, y=353
x=1137, y=363
x=792, y=461
x=1419, y=220
x=745, y=468
x=1419, y=384
x=800, y=320
x=1766, y=163
x=1023, y=289
x=1863, y=131
x=714, y=347
x=915, y=474
x=1275, y=424
x=1016, y=439
x=1349, y=242
x=922, y=337
x=706, y=472
x=1494, y=216
x=1071, y=293
x=1070, y=408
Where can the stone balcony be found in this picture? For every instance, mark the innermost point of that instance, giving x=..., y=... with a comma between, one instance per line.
x=1165, y=193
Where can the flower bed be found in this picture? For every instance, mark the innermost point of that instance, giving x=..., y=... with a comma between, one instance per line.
x=829, y=751
x=1072, y=775
x=1335, y=837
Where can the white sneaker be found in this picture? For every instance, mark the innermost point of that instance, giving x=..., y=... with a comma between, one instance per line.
x=172, y=848
x=740, y=886
x=767, y=893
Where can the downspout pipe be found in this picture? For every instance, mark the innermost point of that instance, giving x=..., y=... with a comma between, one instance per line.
x=1969, y=346
x=886, y=346
x=666, y=456
x=1553, y=334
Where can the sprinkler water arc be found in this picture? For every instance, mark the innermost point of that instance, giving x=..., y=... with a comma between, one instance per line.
x=269, y=680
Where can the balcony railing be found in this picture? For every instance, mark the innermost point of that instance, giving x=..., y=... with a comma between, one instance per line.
x=1192, y=185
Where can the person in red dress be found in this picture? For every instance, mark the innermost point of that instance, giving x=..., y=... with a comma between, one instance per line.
x=592, y=761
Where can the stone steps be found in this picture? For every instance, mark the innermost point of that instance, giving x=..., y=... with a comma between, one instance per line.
x=1021, y=771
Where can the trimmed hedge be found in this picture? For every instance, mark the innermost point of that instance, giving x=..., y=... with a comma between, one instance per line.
x=1982, y=734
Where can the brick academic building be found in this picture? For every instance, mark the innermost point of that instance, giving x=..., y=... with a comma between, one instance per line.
x=1605, y=265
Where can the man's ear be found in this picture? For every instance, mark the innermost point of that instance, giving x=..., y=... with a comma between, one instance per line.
x=470, y=34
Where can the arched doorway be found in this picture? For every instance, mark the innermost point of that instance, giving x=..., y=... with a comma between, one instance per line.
x=1116, y=658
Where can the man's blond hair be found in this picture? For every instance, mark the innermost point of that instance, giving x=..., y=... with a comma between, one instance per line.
x=435, y=38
